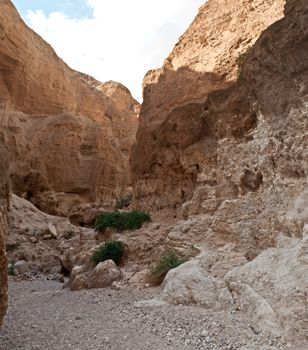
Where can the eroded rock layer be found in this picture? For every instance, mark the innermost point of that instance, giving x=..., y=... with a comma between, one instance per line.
x=176, y=143
x=235, y=152
x=4, y=204
x=224, y=128
x=69, y=136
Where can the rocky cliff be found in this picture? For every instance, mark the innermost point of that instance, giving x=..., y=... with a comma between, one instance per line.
x=222, y=142
x=228, y=140
x=224, y=129
x=69, y=136
x=176, y=143
x=4, y=204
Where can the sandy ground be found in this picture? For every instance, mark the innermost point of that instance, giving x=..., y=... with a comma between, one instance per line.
x=43, y=315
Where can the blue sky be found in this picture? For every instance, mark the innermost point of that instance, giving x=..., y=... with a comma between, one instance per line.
x=72, y=8
x=116, y=40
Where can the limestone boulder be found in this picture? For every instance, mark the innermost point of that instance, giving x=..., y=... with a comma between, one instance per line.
x=104, y=274
x=41, y=239
x=101, y=276
x=20, y=267
x=272, y=288
x=190, y=284
x=78, y=279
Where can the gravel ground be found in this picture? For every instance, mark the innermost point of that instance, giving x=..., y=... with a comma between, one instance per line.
x=42, y=315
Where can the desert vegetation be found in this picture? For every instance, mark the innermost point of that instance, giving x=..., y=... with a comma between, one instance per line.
x=110, y=250
x=169, y=260
x=121, y=220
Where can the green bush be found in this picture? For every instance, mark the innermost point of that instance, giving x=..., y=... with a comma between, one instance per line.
x=124, y=202
x=121, y=220
x=168, y=261
x=11, y=269
x=112, y=250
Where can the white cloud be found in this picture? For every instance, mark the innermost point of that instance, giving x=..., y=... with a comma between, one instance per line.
x=122, y=41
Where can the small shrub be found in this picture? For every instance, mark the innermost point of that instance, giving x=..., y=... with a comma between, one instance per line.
x=113, y=250
x=11, y=270
x=167, y=262
x=124, y=202
x=121, y=220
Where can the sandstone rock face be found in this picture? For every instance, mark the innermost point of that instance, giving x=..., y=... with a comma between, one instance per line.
x=223, y=139
x=4, y=204
x=3, y=266
x=39, y=239
x=229, y=139
x=69, y=136
x=177, y=144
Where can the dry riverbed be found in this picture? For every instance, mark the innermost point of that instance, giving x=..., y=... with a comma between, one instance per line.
x=43, y=315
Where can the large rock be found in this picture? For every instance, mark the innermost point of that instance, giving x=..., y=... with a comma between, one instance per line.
x=190, y=284
x=41, y=239
x=89, y=277
x=104, y=274
x=69, y=136
x=272, y=288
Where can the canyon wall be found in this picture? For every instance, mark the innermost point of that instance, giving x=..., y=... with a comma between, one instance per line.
x=69, y=136
x=176, y=143
x=222, y=142
x=4, y=204
x=223, y=139
x=223, y=124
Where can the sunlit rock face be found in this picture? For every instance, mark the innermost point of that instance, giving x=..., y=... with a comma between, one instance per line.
x=223, y=124
x=69, y=136
x=177, y=143
x=223, y=140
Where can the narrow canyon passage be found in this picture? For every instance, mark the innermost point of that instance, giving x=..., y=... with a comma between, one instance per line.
x=202, y=189
x=43, y=315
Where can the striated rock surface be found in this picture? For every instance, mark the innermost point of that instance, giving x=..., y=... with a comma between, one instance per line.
x=3, y=266
x=222, y=144
x=177, y=143
x=39, y=239
x=69, y=136
x=229, y=139
x=271, y=289
x=4, y=204
x=223, y=140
